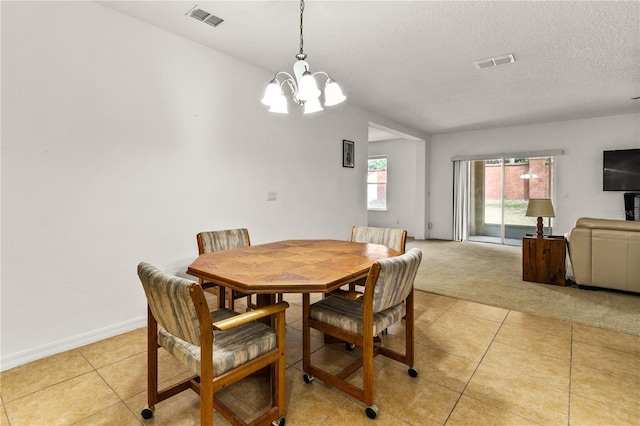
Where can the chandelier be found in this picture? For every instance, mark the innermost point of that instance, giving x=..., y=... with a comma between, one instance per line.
x=303, y=86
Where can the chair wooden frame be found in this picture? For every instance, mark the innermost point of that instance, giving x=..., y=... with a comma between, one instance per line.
x=206, y=385
x=369, y=343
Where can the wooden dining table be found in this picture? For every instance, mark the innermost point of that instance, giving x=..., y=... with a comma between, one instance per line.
x=292, y=266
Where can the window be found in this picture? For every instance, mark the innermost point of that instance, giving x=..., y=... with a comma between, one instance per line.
x=377, y=183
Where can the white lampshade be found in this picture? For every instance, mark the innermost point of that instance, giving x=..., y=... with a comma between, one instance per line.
x=540, y=207
x=332, y=93
x=312, y=105
x=307, y=87
x=272, y=93
x=280, y=105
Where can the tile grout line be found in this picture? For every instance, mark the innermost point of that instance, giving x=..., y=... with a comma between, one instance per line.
x=502, y=323
x=475, y=369
x=95, y=370
x=4, y=408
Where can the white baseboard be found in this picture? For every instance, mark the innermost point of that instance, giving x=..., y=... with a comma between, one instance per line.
x=39, y=352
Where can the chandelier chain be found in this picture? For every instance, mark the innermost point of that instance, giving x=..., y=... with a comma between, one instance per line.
x=301, y=37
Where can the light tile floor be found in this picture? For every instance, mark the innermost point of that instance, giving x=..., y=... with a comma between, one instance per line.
x=478, y=365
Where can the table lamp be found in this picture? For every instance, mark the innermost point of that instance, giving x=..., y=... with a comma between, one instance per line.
x=540, y=207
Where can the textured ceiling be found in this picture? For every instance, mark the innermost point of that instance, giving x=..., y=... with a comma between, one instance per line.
x=413, y=61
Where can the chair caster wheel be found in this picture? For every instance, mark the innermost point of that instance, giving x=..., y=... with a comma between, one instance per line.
x=371, y=411
x=279, y=422
x=413, y=372
x=350, y=346
x=147, y=413
x=307, y=379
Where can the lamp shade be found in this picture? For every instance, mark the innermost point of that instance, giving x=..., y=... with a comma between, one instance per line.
x=332, y=93
x=307, y=87
x=312, y=105
x=540, y=207
x=279, y=105
x=272, y=93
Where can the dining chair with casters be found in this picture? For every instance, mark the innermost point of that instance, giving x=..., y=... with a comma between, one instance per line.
x=387, y=299
x=212, y=241
x=219, y=346
x=393, y=238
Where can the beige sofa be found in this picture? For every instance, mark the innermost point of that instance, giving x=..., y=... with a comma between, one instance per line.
x=606, y=253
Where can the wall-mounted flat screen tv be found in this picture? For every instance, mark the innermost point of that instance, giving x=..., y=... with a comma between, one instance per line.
x=621, y=170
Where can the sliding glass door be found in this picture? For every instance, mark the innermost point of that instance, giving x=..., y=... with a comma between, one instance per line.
x=499, y=192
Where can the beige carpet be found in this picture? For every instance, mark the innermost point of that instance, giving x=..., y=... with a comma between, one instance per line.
x=492, y=274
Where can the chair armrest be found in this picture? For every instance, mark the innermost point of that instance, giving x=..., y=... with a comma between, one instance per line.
x=250, y=316
x=350, y=294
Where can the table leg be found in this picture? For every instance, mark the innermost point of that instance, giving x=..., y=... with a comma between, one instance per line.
x=266, y=300
x=306, y=332
x=221, y=297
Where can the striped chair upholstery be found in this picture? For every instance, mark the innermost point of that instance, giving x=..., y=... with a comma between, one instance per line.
x=170, y=302
x=223, y=240
x=220, y=347
x=390, y=237
x=387, y=299
x=228, y=239
x=346, y=314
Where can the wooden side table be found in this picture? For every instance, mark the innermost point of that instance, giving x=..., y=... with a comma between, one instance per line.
x=543, y=259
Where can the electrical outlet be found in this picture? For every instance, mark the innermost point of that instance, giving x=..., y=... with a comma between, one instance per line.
x=272, y=196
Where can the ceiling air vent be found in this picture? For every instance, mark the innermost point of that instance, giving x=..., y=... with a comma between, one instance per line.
x=204, y=16
x=492, y=62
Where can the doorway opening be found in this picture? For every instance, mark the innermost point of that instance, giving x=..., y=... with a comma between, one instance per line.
x=401, y=181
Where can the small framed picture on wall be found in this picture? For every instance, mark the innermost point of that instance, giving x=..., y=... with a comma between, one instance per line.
x=348, y=153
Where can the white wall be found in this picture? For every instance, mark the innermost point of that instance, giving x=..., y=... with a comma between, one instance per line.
x=119, y=143
x=578, y=172
x=403, y=160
